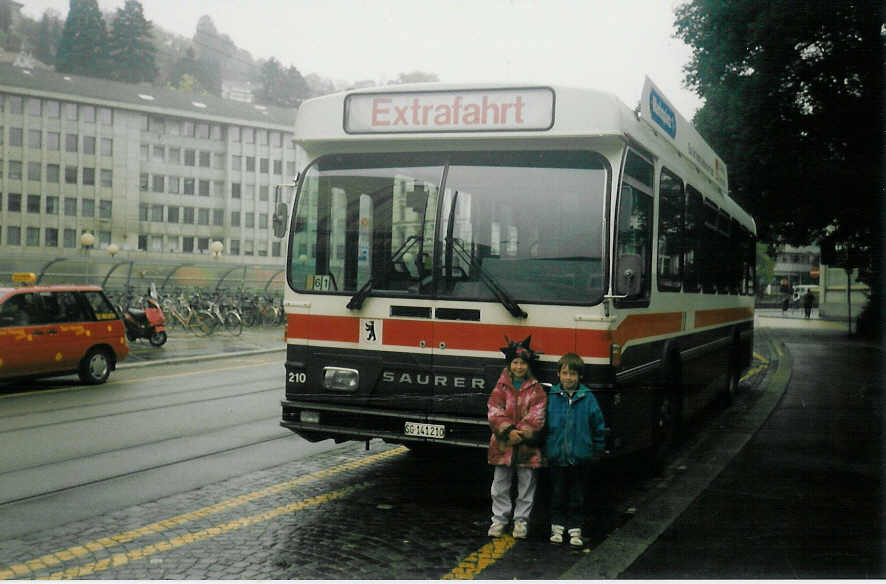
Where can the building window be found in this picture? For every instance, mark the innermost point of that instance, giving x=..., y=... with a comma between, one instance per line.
x=53, y=141
x=204, y=158
x=107, y=177
x=52, y=108
x=263, y=193
x=35, y=108
x=248, y=246
x=188, y=128
x=218, y=160
x=175, y=156
x=144, y=152
x=87, y=208
x=234, y=133
x=202, y=130
x=105, y=208
x=203, y=216
x=157, y=213
x=156, y=124
x=33, y=237
x=71, y=175
x=34, y=171
x=50, y=237
x=88, y=175
x=15, y=170
x=106, y=116
x=236, y=162
x=51, y=205
x=216, y=133
x=173, y=127
x=235, y=247
x=290, y=168
x=250, y=192
x=172, y=184
x=250, y=220
x=218, y=216
x=262, y=220
x=172, y=214
x=276, y=249
x=250, y=164
x=33, y=203
x=16, y=104
x=52, y=173
x=89, y=145
x=188, y=215
x=188, y=244
x=144, y=212
x=261, y=137
x=249, y=135
x=189, y=186
x=143, y=243
x=143, y=181
x=203, y=188
x=71, y=141
x=159, y=153
x=16, y=137
x=218, y=188
x=14, y=202
x=278, y=167
x=159, y=183
x=70, y=238
x=235, y=218
x=70, y=207
x=87, y=113
x=276, y=139
x=190, y=157
x=104, y=238
x=264, y=165
x=107, y=147
x=235, y=190
x=13, y=235
x=35, y=139
x=203, y=244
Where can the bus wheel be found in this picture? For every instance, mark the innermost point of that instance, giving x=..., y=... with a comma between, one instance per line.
x=95, y=367
x=733, y=379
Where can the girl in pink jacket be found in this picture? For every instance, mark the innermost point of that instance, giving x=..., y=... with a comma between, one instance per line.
x=516, y=413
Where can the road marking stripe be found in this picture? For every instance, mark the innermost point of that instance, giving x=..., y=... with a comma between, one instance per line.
x=189, y=538
x=760, y=358
x=481, y=559
x=55, y=558
x=754, y=371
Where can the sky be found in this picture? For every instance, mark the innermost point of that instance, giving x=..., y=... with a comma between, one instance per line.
x=603, y=44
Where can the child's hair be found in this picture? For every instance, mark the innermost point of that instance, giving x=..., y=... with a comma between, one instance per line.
x=572, y=362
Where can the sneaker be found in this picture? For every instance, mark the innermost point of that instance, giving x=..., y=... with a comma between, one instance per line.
x=496, y=529
x=520, y=529
x=575, y=539
x=556, y=534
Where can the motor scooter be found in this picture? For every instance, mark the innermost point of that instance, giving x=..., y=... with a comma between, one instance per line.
x=146, y=324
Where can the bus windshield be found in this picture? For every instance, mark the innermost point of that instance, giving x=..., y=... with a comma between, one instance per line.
x=521, y=226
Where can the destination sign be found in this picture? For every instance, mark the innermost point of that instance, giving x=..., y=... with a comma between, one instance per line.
x=458, y=111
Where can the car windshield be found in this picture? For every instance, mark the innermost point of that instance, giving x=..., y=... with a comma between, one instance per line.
x=509, y=226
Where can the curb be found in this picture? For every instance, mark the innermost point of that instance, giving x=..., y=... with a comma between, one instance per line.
x=626, y=543
x=193, y=358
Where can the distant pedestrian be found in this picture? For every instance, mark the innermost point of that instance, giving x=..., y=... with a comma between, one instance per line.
x=808, y=301
x=516, y=413
x=785, y=304
x=576, y=437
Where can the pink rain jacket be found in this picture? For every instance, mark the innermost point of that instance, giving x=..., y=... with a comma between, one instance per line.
x=522, y=409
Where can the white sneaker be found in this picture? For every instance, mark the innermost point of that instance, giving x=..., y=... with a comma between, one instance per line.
x=520, y=529
x=556, y=534
x=496, y=529
x=575, y=539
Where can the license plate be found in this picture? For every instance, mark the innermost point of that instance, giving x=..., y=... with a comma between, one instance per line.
x=424, y=430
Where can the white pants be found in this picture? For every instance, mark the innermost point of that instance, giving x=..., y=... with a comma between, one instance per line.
x=501, y=493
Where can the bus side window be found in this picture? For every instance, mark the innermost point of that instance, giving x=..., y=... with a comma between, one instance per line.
x=634, y=238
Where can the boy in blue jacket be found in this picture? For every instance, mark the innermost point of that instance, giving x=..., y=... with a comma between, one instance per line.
x=575, y=439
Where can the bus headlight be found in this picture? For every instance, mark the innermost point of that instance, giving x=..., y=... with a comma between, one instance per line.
x=341, y=379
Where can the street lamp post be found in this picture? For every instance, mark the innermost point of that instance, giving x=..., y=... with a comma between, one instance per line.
x=216, y=248
x=87, y=240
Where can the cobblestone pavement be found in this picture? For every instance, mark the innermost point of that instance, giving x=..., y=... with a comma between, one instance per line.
x=343, y=514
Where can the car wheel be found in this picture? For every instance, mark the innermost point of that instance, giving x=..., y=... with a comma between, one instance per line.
x=95, y=367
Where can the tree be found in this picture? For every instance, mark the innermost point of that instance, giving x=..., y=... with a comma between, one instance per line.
x=281, y=87
x=131, y=49
x=81, y=49
x=793, y=105
x=48, y=35
x=205, y=76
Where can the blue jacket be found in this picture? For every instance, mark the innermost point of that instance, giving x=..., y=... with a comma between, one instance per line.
x=576, y=433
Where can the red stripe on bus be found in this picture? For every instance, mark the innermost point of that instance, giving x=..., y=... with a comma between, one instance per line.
x=408, y=333
x=486, y=337
x=323, y=328
x=705, y=318
x=638, y=326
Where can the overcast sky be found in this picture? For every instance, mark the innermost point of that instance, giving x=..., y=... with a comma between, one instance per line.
x=604, y=44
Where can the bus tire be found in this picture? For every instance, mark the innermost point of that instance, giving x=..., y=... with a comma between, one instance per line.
x=95, y=367
x=733, y=380
x=667, y=406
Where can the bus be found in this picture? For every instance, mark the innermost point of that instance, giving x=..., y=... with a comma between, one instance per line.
x=432, y=222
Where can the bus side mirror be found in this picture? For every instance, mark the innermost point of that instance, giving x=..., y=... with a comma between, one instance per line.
x=281, y=213
x=628, y=271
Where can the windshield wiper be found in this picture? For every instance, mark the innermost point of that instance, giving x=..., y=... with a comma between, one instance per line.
x=356, y=301
x=500, y=293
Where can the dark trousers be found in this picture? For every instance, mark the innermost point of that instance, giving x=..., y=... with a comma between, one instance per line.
x=568, y=487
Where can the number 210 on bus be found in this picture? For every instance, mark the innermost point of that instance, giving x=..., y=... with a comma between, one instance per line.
x=429, y=222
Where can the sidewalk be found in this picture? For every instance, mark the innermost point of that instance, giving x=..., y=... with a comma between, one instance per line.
x=804, y=497
x=186, y=346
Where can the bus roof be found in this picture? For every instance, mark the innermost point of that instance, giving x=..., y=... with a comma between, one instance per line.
x=474, y=111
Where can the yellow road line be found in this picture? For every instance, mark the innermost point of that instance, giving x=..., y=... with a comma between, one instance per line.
x=760, y=358
x=137, y=554
x=55, y=558
x=481, y=559
x=752, y=372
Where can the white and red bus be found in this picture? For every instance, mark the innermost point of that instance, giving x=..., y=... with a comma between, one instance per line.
x=432, y=221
